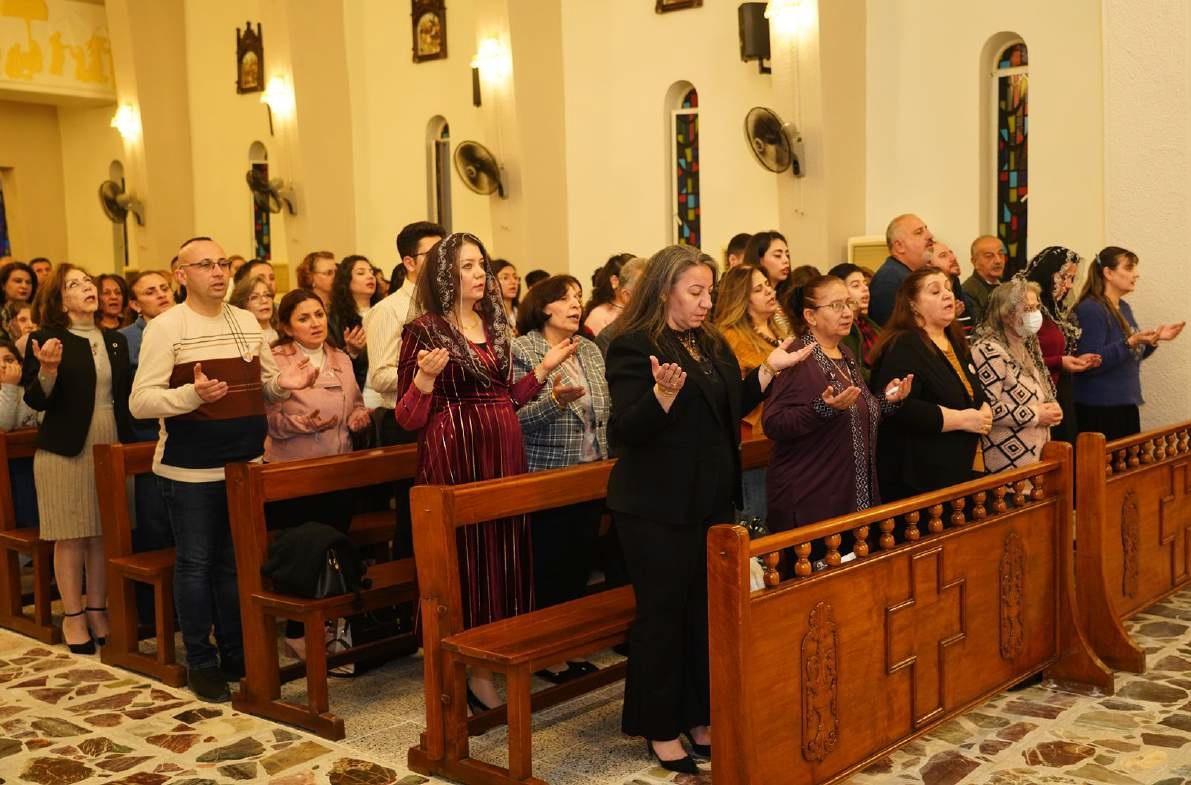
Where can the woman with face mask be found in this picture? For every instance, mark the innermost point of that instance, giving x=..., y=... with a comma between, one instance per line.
x=1007, y=358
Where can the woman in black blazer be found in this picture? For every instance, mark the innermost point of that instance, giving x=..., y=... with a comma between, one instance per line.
x=933, y=440
x=78, y=374
x=677, y=400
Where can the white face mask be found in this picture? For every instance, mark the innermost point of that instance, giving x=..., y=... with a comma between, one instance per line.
x=1029, y=324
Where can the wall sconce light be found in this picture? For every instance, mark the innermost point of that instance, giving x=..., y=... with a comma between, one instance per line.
x=493, y=62
x=788, y=17
x=127, y=120
x=278, y=97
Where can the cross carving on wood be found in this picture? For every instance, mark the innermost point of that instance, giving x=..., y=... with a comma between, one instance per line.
x=920, y=628
x=1175, y=521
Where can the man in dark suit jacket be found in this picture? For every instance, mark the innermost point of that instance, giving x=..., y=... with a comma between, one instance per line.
x=910, y=244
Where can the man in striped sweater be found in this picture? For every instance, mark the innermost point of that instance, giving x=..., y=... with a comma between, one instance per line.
x=206, y=372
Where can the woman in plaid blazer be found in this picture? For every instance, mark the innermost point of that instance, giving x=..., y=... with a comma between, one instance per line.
x=565, y=425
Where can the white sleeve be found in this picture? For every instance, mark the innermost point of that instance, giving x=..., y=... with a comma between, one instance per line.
x=151, y=396
x=384, y=346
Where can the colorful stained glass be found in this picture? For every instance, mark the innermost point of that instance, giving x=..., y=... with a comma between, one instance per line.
x=260, y=220
x=1012, y=160
x=686, y=170
x=5, y=244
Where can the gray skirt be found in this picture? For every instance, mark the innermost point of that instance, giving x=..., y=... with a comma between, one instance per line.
x=66, y=498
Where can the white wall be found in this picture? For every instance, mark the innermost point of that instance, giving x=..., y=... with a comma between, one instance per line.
x=31, y=164
x=620, y=58
x=89, y=145
x=1147, y=201
x=925, y=85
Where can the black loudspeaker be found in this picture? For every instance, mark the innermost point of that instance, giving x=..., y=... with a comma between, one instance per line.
x=754, y=32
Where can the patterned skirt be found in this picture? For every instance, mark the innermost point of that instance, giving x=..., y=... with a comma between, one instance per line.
x=67, y=502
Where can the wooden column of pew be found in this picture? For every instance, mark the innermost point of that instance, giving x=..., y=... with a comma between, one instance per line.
x=1133, y=504
x=17, y=537
x=249, y=487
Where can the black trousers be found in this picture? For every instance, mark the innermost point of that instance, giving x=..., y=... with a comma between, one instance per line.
x=403, y=534
x=1115, y=422
x=668, y=688
x=563, y=543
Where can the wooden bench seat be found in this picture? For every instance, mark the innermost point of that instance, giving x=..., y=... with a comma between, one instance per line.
x=147, y=565
x=250, y=487
x=17, y=538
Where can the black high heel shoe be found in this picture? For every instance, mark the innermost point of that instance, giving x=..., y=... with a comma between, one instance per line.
x=702, y=750
x=78, y=648
x=100, y=640
x=684, y=765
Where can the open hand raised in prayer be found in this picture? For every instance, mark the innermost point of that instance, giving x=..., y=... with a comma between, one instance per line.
x=354, y=341
x=1168, y=332
x=210, y=390
x=565, y=393
x=558, y=355
x=844, y=400
x=1078, y=363
x=1142, y=336
x=430, y=365
x=298, y=377
x=668, y=381
x=899, y=389
x=50, y=355
x=358, y=420
x=315, y=423
x=782, y=358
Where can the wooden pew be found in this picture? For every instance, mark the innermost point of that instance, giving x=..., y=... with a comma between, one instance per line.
x=249, y=487
x=114, y=464
x=815, y=676
x=516, y=646
x=16, y=537
x=1133, y=501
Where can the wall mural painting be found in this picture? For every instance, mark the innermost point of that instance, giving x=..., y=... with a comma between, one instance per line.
x=429, y=29
x=56, y=44
x=1012, y=141
x=250, y=59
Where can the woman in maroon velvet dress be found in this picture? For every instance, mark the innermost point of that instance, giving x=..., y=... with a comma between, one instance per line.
x=456, y=370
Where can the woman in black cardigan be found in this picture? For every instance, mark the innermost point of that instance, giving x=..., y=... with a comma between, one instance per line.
x=78, y=374
x=677, y=400
x=933, y=440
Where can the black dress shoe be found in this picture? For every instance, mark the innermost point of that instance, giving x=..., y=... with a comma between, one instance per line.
x=87, y=647
x=574, y=670
x=100, y=640
x=702, y=750
x=232, y=669
x=208, y=684
x=684, y=765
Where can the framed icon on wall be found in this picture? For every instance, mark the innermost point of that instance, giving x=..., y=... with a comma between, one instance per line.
x=429, y=18
x=250, y=59
x=664, y=6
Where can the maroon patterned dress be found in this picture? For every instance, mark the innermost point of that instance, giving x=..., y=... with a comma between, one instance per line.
x=468, y=431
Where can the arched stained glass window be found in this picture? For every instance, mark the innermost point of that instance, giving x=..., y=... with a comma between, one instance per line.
x=1013, y=133
x=687, y=199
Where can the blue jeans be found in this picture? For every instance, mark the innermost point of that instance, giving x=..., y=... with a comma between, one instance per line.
x=752, y=488
x=205, y=592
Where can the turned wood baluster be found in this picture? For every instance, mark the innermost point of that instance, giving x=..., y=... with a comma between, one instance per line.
x=1184, y=441
x=1134, y=461
x=1039, y=483
x=912, y=533
x=1108, y=464
x=979, y=511
x=860, y=546
x=833, y=558
x=1120, y=465
x=1160, y=448
x=802, y=567
x=1172, y=444
x=886, y=540
x=999, y=506
x=1019, y=493
x=1147, y=452
x=957, y=511
x=772, y=577
x=934, y=524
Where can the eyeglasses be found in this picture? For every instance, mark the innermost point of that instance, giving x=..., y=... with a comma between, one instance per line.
x=77, y=282
x=260, y=298
x=838, y=306
x=207, y=265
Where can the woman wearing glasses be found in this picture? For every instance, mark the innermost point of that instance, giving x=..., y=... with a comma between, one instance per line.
x=78, y=375
x=822, y=418
x=1009, y=363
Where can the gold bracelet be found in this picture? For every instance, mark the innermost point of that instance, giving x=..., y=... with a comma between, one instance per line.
x=554, y=398
x=765, y=364
x=666, y=392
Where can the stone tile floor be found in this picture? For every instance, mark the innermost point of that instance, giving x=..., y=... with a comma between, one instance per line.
x=67, y=719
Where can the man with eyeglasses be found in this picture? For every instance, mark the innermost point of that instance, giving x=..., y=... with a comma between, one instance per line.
x=206, y=371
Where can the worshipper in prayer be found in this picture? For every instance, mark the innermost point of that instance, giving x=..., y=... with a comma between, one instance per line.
x=1054, y=269
x=77, y=375
x=822, y=418
x=510, y=288
x=353, y=293
x=910, y=244
x=744, y=315
x=1108, y=397
x=734, y=253
x=42, y=267
x=630, y=274
x=607, y=300
x=863, y=336
x=113, y=302
x=17, y=282
x=802, y=275
x=457, y=391
x=316, y=272
x=677, y=399
x=1016, y=382
x=255, y=295
x=151, y=296
x=255, y=267
x=15, y=414
x=988, y=265
x=206, y=372
x=565, y=425
x=16, y=317
x=931, y=440
x=944, y=258
x=768, y=251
